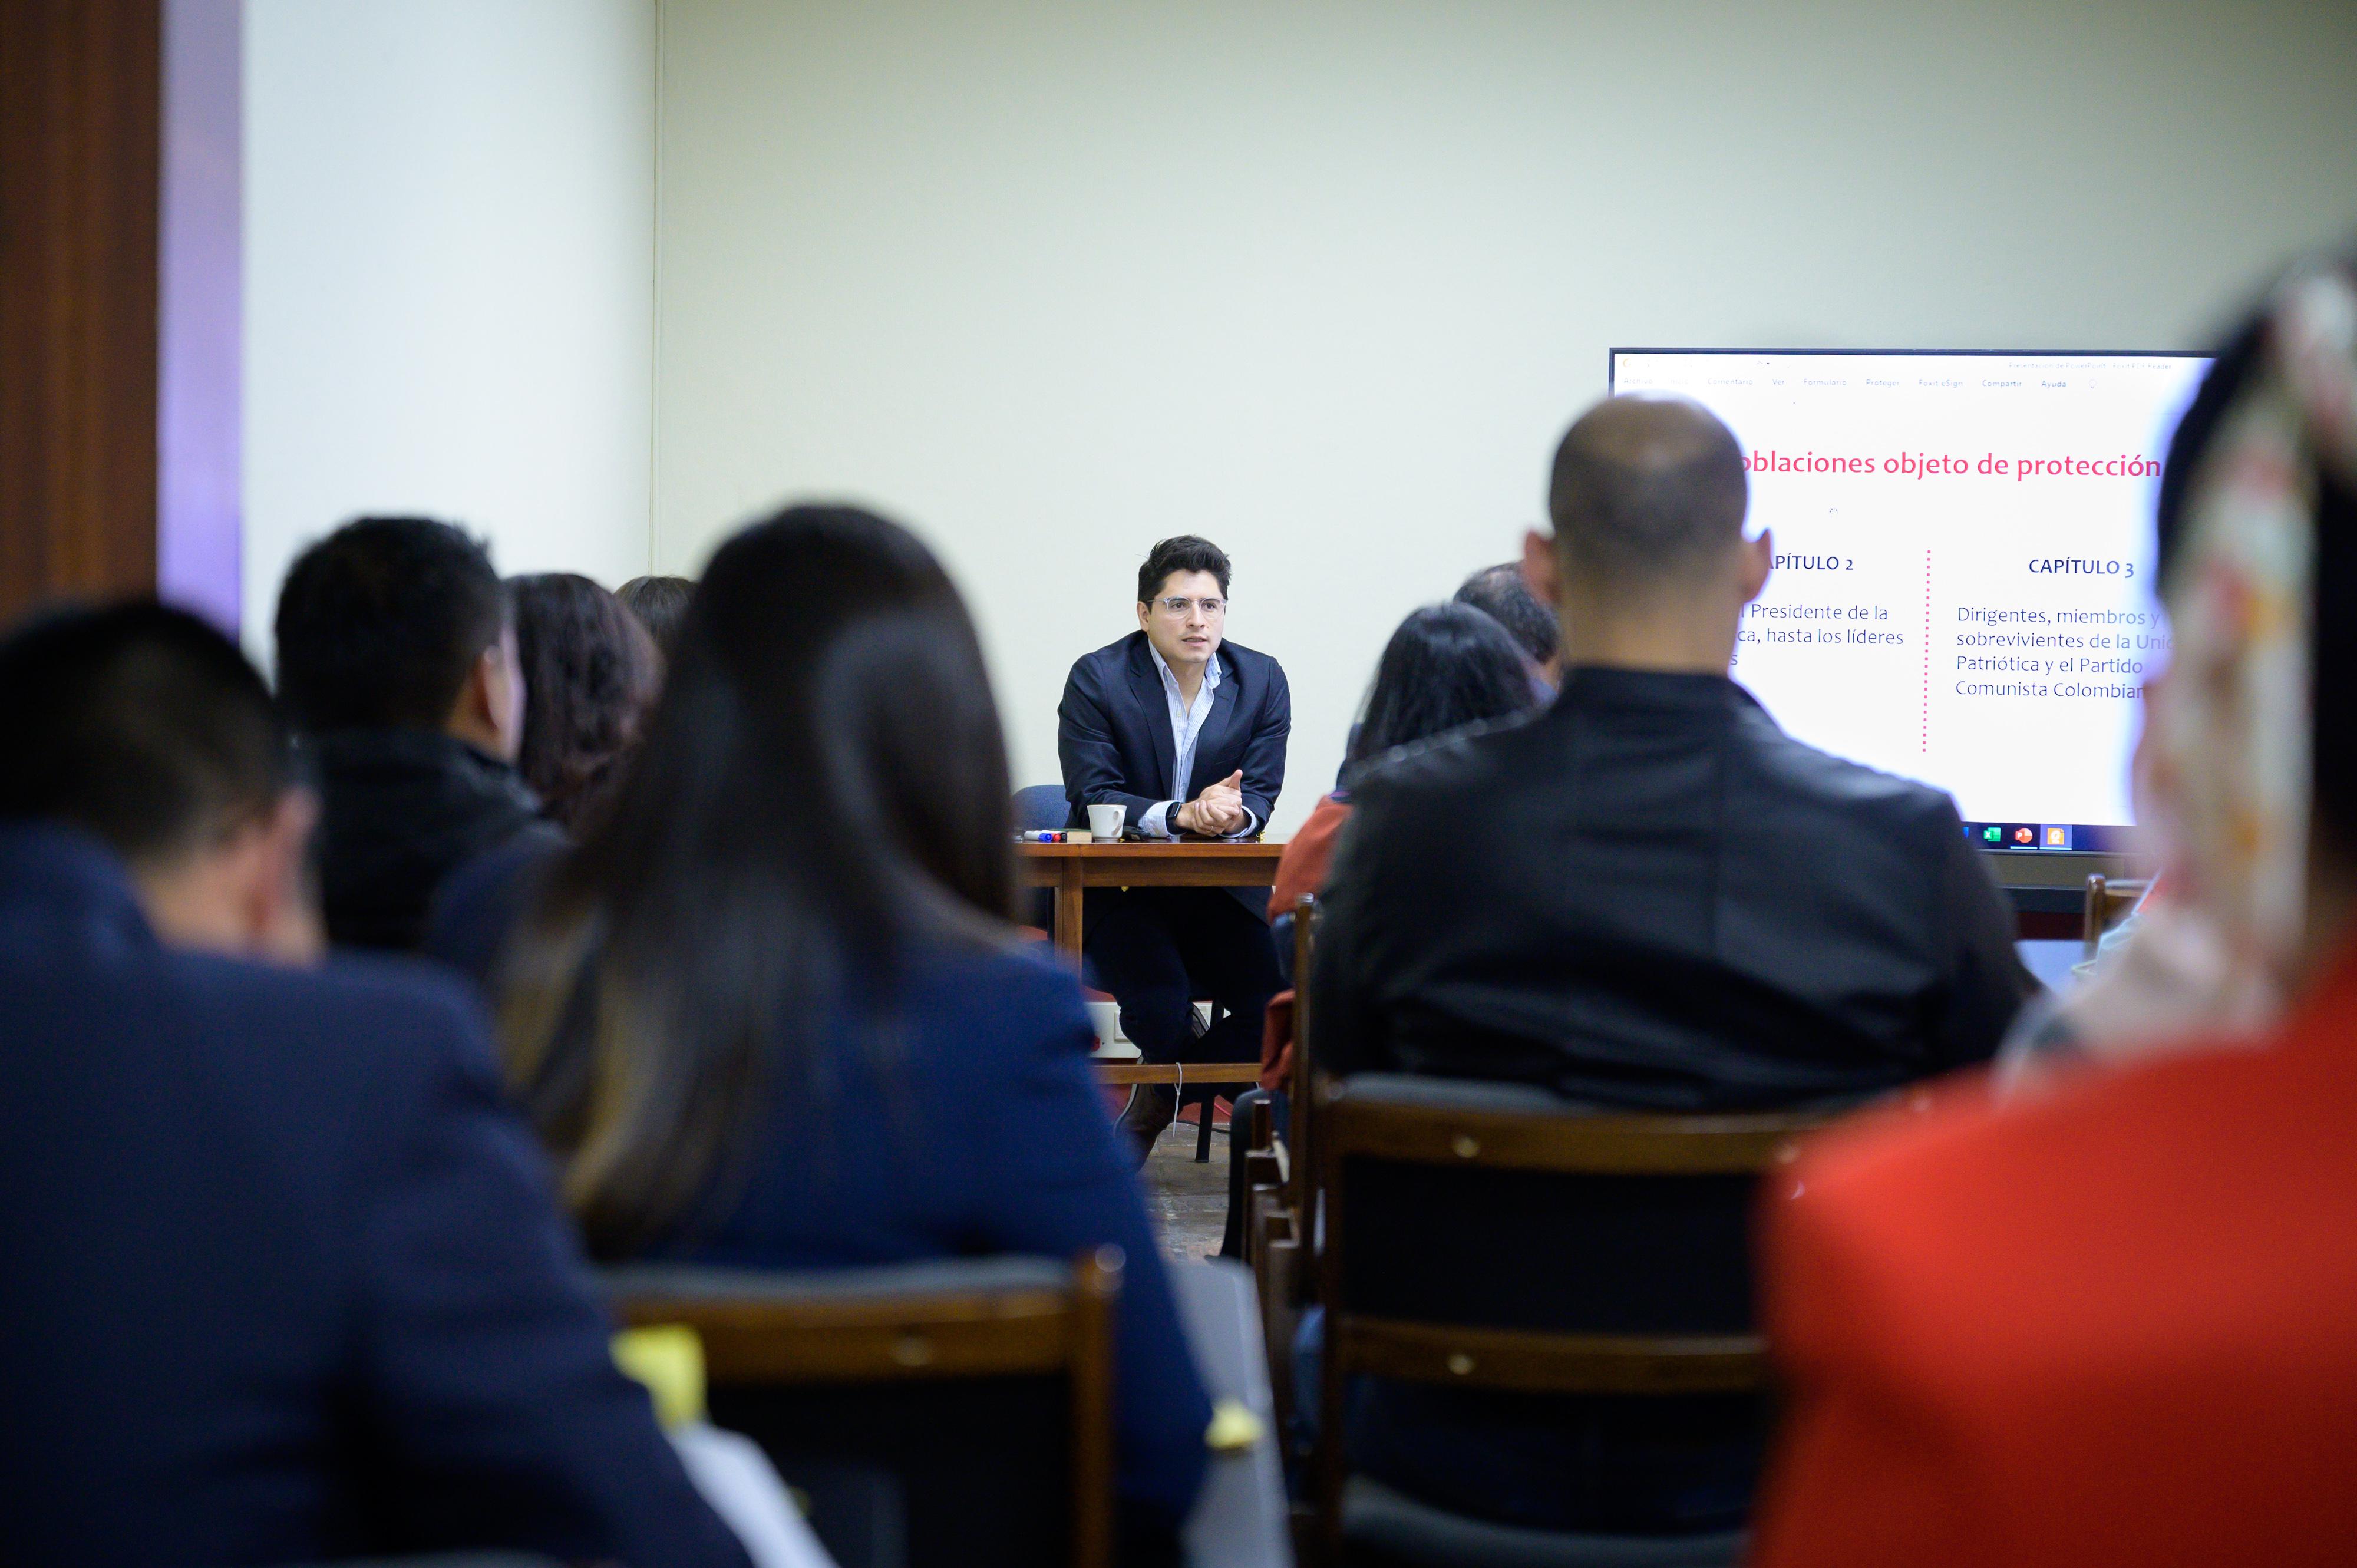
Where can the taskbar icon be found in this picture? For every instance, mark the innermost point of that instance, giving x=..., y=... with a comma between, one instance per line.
x=2028, y=835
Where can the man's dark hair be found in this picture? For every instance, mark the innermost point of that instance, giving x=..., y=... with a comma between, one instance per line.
x=2332, y=696
x=139, y=725
x=378, y=623
x=1184, y=553
x=1501, y=591
x=660, y=603
x=1646, y=487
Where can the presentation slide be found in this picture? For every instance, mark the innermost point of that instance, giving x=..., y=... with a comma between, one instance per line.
x=1963, y=579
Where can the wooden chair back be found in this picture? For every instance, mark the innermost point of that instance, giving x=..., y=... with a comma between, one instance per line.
x=1436, y=1191
x=2109, y=899
x=1276, y=1227
x=898, y=1369
x=1299, y=1133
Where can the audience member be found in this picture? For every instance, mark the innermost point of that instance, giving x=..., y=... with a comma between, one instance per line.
x=1505, y=592
x=397, y=659
x=1186, y=732
x=2116, y=1320
x=661, y=604
x=139, y=709
x=1446, y=667
x=1647, y=896
x=285, y=1282
x=771, y=1011
x=590, y=673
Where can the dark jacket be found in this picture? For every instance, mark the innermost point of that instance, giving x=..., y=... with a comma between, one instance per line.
x=1649, y=895
x=401, y=809
x=1113, y=731
x=956, y=1116
x=284, y=1278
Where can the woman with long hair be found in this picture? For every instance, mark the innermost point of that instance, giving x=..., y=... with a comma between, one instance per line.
x=1447, y=666
x=771, y=1011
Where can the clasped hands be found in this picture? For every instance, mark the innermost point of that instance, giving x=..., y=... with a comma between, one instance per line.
x=1218, y=811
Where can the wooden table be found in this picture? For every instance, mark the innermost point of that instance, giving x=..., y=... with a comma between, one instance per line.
x=1070, y=868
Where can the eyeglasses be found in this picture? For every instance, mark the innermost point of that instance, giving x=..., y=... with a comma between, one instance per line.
x=1176, y=606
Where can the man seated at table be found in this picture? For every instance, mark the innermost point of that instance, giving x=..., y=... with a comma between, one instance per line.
x=1187, y=733
x=1646, y=895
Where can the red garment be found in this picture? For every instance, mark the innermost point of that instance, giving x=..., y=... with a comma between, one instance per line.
x=2116, y=1323
x=1277, y=1041
x=1300, y=869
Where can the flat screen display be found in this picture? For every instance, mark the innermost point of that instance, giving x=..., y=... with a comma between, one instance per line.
x=1964, y=548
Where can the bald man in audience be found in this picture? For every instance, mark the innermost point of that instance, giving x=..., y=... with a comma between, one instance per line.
x=1645, y=896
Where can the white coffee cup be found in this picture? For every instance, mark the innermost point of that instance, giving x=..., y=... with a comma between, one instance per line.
x=1104, y=821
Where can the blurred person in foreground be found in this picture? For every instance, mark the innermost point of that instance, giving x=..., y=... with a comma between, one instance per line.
x=285, y=1280
x=661, y=604
x=773, y=1012
x=1645, y=896
x=1447, y=666
x=397, y=661
x=1503, y=590
x=2113, y=1319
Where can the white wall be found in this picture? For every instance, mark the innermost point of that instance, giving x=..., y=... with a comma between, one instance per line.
x=449, y=276
x=1325, y=281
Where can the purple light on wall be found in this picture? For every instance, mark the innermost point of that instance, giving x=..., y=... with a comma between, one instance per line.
x=200, y=382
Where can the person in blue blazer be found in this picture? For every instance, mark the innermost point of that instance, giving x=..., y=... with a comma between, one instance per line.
x=283, y=1276
x=772, y=1012
x=1186, y=732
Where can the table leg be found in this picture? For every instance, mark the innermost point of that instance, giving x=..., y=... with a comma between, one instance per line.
x=1068, y=912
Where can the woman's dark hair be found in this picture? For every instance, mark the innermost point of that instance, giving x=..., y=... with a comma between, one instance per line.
x=660, y=603
x=823, y=785
x=590, y=673
x=2333, y=690
x=1446, y=665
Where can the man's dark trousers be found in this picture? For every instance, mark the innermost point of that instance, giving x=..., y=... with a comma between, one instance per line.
x=1161, y=949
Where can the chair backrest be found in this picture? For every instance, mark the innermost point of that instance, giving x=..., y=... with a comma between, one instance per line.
x=983, y=1386
x=1041, y=808
x=1301, y=1106
x=1489, y=1236
x=1455, y=1207
x=2108, y=901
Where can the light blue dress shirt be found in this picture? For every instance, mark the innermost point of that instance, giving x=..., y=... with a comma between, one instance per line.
x=1186, y=729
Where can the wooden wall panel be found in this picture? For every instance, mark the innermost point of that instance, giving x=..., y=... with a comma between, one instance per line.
x=80, y=82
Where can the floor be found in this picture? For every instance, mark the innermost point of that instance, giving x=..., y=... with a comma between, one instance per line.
x=1188, y=1202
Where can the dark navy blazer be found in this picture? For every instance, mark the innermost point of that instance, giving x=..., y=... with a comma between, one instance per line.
x=955, y=1115
x=959, y=1116
x=282, y=1276
x=1113, y=731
